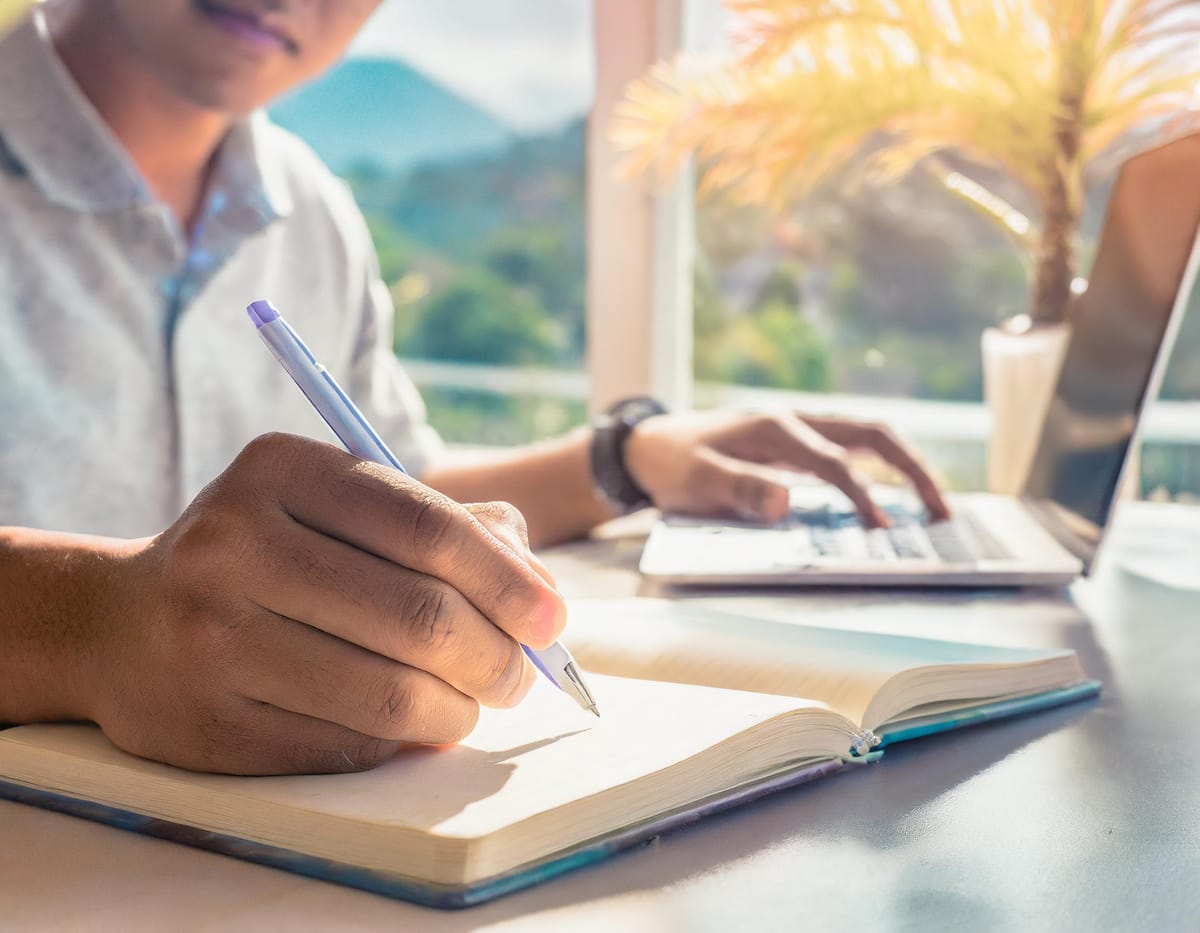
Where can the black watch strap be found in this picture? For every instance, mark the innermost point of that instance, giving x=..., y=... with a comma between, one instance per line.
x=610, y=432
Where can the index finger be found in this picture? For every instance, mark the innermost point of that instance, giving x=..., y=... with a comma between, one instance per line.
x=789, y=442
x=893, y=452
x=884, y=444
x=393, y=516
x=835, y=470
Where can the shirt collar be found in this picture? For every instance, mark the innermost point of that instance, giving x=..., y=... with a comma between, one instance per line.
x=249, y=174
x=54, y=132
x=66, y=148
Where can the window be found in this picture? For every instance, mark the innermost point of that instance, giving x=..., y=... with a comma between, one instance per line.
x=870, y=300
x=475, y=138
x=460, y=128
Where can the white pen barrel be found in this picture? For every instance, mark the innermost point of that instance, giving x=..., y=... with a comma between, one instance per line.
x=550, y=661
x=325, y=394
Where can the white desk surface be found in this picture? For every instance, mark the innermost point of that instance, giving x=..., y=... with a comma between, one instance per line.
x=1082, y=818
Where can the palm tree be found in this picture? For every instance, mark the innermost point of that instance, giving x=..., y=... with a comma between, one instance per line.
x=1036, y=88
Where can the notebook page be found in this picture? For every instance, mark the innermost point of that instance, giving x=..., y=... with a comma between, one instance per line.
x=517, y=763
x=669, y=640
x=542, y=755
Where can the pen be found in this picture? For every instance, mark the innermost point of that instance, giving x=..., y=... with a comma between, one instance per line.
x=358, y=437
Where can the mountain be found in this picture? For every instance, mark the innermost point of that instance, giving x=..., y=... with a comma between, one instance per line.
x=381, y=112
x=454, y=208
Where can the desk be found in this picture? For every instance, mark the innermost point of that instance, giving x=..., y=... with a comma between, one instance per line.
x=1082, y=818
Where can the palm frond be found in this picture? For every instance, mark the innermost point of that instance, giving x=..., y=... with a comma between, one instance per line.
x=1033, y=87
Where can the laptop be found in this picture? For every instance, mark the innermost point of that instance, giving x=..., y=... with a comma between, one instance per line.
x=1125, y=325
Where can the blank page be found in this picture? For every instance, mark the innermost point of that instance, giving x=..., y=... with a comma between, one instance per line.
x=844, y=669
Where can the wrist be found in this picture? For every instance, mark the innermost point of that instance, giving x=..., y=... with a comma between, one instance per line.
x=614, y=482
x=59, y=622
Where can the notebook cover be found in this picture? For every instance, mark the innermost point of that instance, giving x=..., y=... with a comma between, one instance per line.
x=414, y=889
x=985, y=712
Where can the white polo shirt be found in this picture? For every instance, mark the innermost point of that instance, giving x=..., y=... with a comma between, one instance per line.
x=130, y=375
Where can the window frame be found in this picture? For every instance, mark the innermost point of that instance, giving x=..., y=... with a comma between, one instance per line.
x=639, y=233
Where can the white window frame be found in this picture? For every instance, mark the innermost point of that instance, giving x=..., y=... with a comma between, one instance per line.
x=639, y=234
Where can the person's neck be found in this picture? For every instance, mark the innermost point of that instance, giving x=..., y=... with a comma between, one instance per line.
x=170, y=139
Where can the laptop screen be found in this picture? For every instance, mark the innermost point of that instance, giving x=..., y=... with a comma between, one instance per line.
x=1135, y=297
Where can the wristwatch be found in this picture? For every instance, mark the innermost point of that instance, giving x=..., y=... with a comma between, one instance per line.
x=610, y=433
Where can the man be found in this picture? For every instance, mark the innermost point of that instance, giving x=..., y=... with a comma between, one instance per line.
x=306, y=611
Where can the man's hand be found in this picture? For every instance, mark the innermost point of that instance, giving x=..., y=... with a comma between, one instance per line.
x=729, y=463
x=312, y=612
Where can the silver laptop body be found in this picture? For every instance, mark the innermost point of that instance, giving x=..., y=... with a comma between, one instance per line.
x=1125, y=326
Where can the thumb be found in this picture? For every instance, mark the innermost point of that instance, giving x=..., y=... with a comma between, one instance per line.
x=751, y=490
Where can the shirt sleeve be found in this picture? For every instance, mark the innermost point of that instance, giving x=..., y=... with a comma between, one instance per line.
x=380, y=386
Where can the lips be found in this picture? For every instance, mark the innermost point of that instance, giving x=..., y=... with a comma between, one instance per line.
x=247, y=25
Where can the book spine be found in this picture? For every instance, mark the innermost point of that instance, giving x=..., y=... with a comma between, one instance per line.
x=863, y=747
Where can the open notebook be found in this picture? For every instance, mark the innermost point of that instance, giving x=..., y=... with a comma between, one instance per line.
x=540, y=790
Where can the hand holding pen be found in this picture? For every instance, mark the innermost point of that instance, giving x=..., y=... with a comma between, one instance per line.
x=307, y=612
x=357, y=435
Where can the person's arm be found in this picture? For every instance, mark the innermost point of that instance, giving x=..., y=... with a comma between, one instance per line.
x=57, y=607
x=715, y=463
x=550, y=482
x=307, y=612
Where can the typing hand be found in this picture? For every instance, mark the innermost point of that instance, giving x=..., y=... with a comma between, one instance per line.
x=729, y=463
x=312, y=612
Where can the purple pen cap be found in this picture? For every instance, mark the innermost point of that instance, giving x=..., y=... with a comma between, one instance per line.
x=261, y=312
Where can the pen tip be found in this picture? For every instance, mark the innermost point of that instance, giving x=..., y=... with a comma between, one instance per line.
x=594, y=711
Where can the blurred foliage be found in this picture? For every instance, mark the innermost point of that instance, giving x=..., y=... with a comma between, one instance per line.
x=547, y=263
x=470, y=416
x=479, y=317
x=1030, y=89
x=855, y=291
x=485, y=257
x=772, y=346
x=395, y=251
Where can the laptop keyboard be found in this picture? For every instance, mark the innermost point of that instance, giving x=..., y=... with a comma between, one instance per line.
x=962, y=539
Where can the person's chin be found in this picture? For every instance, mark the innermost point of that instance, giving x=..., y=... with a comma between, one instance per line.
x=235, y=96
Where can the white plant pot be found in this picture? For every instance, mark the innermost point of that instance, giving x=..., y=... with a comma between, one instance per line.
x=1020, y=374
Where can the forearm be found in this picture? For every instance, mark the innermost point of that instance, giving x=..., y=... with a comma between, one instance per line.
x=56, y=595
x=550, y=482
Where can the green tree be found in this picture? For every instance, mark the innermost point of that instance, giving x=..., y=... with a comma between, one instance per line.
x=547, y=261
x=394, y=250
x=781, y=286
x=709, y=314
x=774, y=346
x=479, y=318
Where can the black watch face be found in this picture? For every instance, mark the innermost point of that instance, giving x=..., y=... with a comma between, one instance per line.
x=636, y=409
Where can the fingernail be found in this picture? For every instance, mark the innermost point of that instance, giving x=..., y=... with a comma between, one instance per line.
x=777, y=503
x=769, y=504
